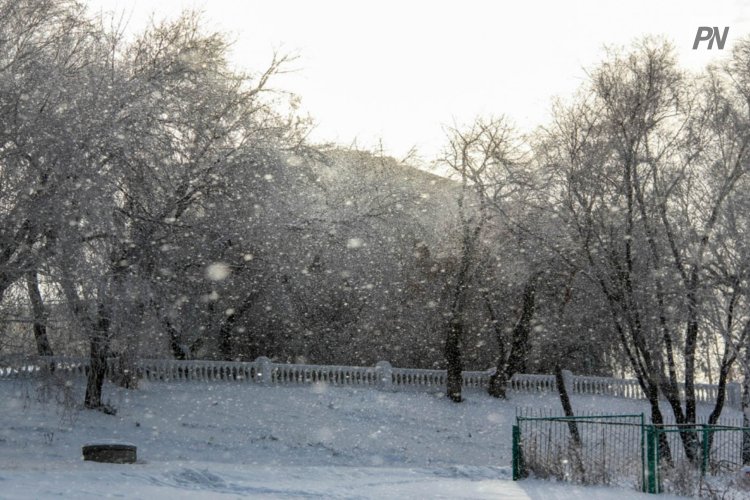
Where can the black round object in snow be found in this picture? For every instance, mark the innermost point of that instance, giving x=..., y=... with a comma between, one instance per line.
x=114, y=453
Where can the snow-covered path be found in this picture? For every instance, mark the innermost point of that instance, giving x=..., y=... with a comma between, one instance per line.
x=210, y=480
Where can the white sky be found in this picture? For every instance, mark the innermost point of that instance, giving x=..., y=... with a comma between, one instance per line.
x=399, y=71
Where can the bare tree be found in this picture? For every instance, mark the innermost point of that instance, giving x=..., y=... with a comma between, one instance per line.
x=643, y=195
x=482, y=157
x=169, y=118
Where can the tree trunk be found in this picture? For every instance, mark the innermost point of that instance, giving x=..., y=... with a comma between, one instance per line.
x=99, y=346
x=519, y=349
x=226, y=340
x=746, y=421
x=691, y=343
x=520, y=344
x=498, y=380
x=665, y=454
x=453, y=358
x=746, y=407
x=567, y=407
x=454, y=335
x=97, y=371
x=178, y=351
x=43, y=346
x=572, y=424
x=726, y=364
x=718, y=407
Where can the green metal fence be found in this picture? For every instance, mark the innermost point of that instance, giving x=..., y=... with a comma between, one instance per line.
x=609, y=449
x=717, y=452
x=623, y=450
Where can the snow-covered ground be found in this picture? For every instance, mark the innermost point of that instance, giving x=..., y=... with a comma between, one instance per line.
x=206, y=440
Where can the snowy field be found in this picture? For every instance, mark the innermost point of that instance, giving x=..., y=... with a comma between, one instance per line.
x=230, y=440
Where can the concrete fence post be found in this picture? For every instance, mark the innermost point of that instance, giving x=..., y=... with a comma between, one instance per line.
x=263, y=370
x=384, y=372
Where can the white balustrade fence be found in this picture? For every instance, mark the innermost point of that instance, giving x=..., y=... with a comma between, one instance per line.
x=335, y=375
x=382, y=376
x=532, y=383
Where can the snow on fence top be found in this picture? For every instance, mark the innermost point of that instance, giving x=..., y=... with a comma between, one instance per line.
x=382, y=376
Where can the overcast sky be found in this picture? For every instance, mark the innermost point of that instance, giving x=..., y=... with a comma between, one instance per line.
x=399, y=71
